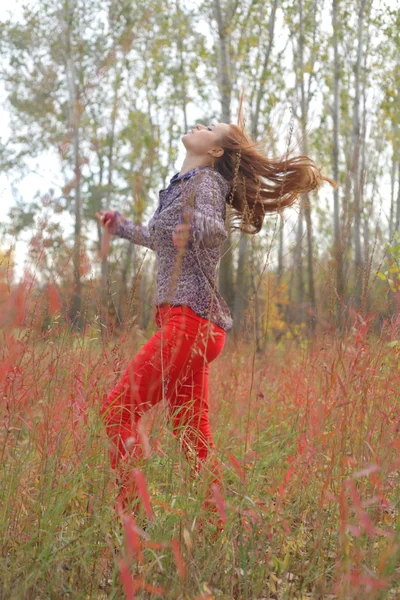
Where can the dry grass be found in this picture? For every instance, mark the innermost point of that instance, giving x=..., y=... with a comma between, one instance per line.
x=307, y=437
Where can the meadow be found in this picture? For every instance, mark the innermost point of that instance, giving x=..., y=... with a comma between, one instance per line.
x=98, y=98
x=307, y=436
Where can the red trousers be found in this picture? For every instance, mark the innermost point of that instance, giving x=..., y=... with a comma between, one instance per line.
x=174, y=365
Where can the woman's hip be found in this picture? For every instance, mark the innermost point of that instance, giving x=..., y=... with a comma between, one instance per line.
x=189, y=328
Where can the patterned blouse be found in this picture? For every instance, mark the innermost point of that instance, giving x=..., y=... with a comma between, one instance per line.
x=191, y=278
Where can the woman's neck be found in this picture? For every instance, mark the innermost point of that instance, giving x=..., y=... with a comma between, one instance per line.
x=191, y=162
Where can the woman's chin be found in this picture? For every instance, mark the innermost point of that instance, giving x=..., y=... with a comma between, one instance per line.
x=185, y=140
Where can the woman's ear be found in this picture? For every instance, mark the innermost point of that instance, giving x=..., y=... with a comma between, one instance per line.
x=216, y=152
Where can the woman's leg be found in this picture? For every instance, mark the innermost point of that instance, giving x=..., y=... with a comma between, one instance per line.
x=182, y=345
x=128, y=401
x=189, y=408
x=142, y=385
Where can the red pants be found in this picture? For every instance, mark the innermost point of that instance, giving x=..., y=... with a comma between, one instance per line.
x=173, y=364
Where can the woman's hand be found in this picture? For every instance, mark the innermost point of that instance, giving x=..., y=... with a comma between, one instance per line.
x=180, y=236
x=108, y=221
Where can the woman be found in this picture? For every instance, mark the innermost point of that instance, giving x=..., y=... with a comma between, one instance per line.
x=222, y=166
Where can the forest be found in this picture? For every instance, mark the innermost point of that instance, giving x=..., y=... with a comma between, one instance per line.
x=305, y=398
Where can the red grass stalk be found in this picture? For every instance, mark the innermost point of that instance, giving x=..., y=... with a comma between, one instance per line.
x=143, y=492
x=235, y=463
x=219, y=501
x=126, y=579
x=178, y=558
x=133, y=544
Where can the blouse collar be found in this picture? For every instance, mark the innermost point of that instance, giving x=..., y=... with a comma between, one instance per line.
x=190, y=173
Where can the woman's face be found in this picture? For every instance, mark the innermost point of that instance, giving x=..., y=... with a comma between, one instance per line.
x=205, y=139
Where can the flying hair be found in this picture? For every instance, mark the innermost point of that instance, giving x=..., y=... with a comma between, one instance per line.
x=262, y=185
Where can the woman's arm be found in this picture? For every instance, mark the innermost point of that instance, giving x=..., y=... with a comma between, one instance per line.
x=137, y=234
x=207, y=220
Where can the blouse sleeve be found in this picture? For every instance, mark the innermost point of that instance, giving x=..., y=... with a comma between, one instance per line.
x=137, y=234
x=207, y=220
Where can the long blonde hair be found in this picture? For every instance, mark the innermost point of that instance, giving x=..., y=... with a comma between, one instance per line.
x=262, y=185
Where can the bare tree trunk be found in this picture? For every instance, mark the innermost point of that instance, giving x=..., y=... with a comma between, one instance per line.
x=224, y=68
x=397, y=223
x=123, y=293
x=243, y=275
x=225, y=278
x=143, y=291
x=392, y=187
x=182, y=65
x=363, y=206
x=280, y=250
x=299, y=264
x=74, y=124
x=77, y=297
x=281, y=307
x=256, y=299
x=358, y=261
x=242, y=285
x=105, y=287
x=310, y=265
x=338, y=244
x=346, y=215
x=307, y=207
x=264, y=73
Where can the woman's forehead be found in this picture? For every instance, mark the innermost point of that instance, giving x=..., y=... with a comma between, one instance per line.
x=222, y=128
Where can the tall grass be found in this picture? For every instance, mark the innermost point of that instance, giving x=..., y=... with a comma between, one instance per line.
x=307, y=437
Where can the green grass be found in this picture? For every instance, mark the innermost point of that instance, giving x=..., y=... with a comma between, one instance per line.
x=306, y=521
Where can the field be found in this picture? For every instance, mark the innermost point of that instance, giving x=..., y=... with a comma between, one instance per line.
x=308, y=441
